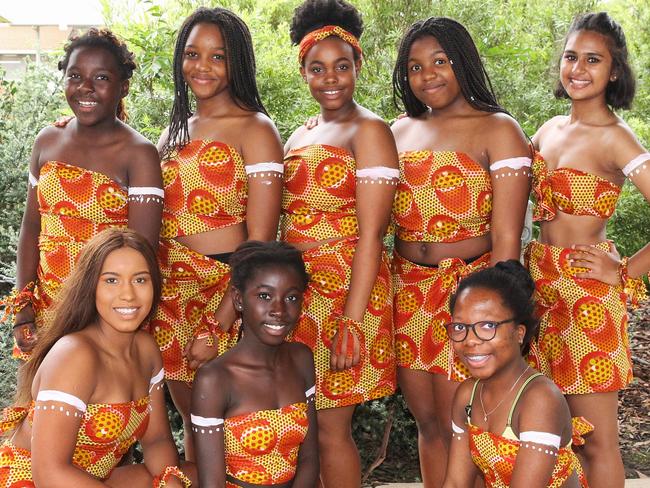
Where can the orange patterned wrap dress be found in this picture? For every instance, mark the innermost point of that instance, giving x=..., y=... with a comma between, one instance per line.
x=75, y=204
x=583, y=342
x=442, y=196
x=205, y=189
x=318, y=203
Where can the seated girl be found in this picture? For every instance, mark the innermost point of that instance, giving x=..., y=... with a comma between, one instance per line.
x=93, y=385
x=253, y=414
x=510, y=423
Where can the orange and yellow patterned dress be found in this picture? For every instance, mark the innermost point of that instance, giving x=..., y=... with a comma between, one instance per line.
x=262, y=447
x=442, y=196
x=205, y=189
x=583, y=342
x=106, y=432
x=318, y=203
x=495, y=455
x=75, y=204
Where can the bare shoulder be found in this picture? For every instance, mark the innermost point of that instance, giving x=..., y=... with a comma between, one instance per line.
x=213, y=374
x=371, y=126
x=148, y=349
x=401, y=124
x=300, y=353
x=547, y=127
x=502, y=124
x=295, y=136
x=544, y=397
x=72, y=362
x=48, y=135
x=164, y=135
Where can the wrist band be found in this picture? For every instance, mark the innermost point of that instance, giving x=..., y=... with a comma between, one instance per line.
x=634, y=288
x=353, y=329
x=160, y=481
x=17, y=300
x=208, y=331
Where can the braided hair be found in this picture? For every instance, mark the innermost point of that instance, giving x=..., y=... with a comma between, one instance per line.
x=620, y=91
x=251, y=256
x=240, y=61
x=104, y=39
x=514, y=285
x=466, y=63
x=314, y=14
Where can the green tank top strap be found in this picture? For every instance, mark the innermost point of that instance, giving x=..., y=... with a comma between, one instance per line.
x=468, y=408
x=521, y=390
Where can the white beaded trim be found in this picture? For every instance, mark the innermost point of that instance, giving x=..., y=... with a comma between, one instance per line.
x=54, y=408
x=265, y=169
x=635, y=166
x=523, y=172
x=382, y=181
x=512, y=163
x=33, y=181
x=62, y=397
x=206, y=425
x=550, y=452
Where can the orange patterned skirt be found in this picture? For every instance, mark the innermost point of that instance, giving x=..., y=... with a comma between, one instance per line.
x=15, y=467
x=330, y=268
x=583, y=343
x=421, y=307
x=193, y=287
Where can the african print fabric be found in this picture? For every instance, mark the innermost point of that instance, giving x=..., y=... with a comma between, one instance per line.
x=205, y=189
x=329, y=267
x=583, y=342
x=324, y=32
x=421, y=306
x=571, y=191
x=193, y=287
x=442, y=196
x=318, y=203
x=262, y=447
x=495, y=457
x=75, y=204
x=106, y=433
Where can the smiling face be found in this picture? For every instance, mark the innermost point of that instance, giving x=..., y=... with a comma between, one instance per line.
x=205, y=67
x=485, y=358
x=93, y=85
x=431, y=76
x=331, y=72
x=124, y=292
x=586, y=66
x=270, y=304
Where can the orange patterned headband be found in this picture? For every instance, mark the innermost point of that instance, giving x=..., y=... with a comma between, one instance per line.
x=329, y=30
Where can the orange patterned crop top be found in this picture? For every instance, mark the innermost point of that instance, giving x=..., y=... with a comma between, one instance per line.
x=106, y=430
x=571, y=191
x=261, y=447
x=205, y=189
x=442, y=196
x=77, y=203
x=318, y=201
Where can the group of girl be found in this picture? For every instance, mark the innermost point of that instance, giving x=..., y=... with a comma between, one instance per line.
x=455, y=174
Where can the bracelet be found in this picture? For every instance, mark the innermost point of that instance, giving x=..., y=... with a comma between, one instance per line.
x=634, y=288
x=31, y=321
x=208, y=331
x=17, y=300
x=160, y=481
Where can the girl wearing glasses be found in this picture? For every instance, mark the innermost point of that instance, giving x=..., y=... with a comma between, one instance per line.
x=510, y=423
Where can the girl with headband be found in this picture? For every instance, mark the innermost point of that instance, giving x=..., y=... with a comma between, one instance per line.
x=340, y=180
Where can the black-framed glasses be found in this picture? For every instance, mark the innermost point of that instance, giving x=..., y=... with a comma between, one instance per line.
x=484, y=329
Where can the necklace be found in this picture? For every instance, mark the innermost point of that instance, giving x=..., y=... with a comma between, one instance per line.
x=480, y=396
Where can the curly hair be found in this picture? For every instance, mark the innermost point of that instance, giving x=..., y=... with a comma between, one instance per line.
x=514, y=285
x=103, y=39
x=240, y=60
x=314, y=14
x=466, y=63
x=620, y=91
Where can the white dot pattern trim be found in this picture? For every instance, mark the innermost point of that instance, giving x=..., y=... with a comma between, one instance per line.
x=62, y=397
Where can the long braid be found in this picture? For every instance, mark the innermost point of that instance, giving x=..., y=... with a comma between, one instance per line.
x=466, y=63
x=240, y=67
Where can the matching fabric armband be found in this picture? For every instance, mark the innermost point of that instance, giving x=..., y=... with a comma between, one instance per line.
x=18, y=300
x=146, y=194
x=208, y=331
x=634, y=288
x=161, y=480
